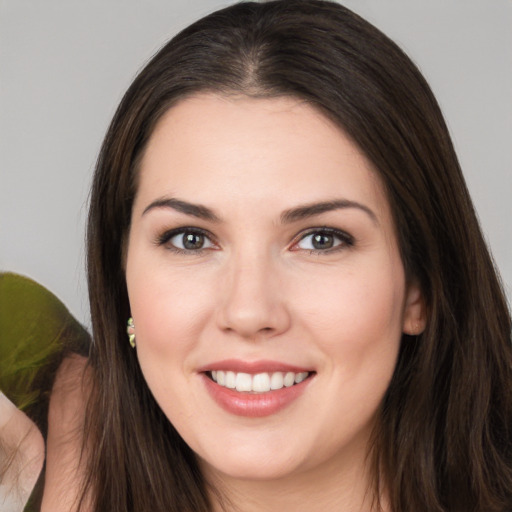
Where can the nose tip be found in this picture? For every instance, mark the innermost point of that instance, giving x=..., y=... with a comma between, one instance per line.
x=253, y=305
x=249, y=324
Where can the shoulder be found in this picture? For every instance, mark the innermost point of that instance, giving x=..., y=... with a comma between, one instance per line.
x=66, y=416
x=21, y=455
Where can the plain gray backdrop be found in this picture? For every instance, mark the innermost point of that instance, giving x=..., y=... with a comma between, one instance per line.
x=64, y=65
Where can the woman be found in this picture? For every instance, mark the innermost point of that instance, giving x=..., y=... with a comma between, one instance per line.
x=315, y=321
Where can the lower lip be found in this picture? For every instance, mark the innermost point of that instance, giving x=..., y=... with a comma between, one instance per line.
x=254, y=405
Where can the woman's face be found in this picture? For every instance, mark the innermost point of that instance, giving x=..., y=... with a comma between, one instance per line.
x=266, y=286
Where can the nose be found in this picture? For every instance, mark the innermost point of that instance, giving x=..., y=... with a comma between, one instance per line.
x=253, y=303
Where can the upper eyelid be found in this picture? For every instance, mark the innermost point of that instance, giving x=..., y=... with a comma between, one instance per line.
x=324, y=229
x=167, y=234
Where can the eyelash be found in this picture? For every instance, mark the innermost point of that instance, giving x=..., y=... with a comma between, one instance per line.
x=167, y=236
x=345, y=240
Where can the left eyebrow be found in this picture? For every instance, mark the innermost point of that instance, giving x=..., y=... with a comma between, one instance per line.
x=195, y=210
x=310, y=210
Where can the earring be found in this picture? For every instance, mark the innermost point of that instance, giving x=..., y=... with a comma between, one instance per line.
x=130, y=330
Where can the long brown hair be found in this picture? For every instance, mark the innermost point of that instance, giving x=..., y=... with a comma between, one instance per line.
x=444, y=440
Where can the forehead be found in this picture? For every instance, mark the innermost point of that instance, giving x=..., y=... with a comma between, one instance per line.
x=272, y=150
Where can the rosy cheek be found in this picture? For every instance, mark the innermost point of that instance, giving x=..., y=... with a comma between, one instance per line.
x=169, y=312
x=357, y=312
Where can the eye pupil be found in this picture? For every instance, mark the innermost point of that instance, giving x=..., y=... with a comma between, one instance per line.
x=193, y=241
x=322, y=241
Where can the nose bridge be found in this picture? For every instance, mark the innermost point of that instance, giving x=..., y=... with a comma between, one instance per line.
x=253, y=302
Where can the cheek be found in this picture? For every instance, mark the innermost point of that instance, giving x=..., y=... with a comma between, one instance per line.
x=169, y=313
x=356, y=312
x=169, y=306
x=357, y=324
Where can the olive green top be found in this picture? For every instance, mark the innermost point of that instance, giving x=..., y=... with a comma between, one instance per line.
x=36, y=332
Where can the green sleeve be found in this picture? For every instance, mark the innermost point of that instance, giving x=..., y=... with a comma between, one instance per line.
x=36, y=332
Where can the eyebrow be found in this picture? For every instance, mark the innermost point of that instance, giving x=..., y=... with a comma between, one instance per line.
x=196, y=210
x=287, y=217
x=310, y=210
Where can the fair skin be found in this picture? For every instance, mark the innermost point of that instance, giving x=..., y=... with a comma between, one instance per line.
x=262, y=242
x=21, y=455
x=66, y=415
x=64, y=464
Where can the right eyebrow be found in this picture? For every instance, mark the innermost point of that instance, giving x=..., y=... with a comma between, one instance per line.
x=195, y=210
x=310, y=210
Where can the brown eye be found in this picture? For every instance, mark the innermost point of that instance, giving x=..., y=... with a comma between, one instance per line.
x=193, y=241
x=188, y=240
x=324, y=240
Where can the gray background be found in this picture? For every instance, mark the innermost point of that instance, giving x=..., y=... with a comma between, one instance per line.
x=64, y=65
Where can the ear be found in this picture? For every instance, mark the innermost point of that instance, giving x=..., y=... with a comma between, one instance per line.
x=415, y=314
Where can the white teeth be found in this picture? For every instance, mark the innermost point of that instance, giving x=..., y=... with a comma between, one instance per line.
x=243, y=382
x=261, y=382
x=276, y=381
x=299, y=377
x=230, y=380
x=289, y=379
x=258, y=383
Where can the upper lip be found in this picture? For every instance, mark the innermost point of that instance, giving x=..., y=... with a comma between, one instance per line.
x=253, y=367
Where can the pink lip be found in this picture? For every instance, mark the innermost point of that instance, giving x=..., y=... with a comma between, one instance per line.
x=252, y=367
x=253, y=405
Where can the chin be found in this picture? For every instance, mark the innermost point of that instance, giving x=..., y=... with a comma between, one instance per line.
x=246, y=463
x=251, y=471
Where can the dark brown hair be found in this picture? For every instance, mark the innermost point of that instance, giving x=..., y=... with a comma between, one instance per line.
x=444, y=440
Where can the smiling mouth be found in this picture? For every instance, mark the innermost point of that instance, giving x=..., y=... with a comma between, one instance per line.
x=259, y=382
